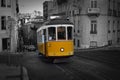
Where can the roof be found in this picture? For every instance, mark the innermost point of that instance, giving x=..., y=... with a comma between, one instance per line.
x=57, y=21
x=54, y=22
x=38, y=17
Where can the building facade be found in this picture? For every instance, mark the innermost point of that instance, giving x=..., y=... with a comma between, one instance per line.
x=97, y=22
x=8, y=26
x=48, y=9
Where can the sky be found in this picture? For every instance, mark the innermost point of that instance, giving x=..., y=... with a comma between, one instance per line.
x=28, y=6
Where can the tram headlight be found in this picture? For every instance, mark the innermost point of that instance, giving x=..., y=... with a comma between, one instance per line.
x=62, y=49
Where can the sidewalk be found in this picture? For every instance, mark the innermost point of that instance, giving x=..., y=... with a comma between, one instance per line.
x=112, y=47
x=13, y=72
x=10, y=67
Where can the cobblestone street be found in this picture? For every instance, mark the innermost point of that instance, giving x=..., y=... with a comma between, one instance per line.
x=88, y=64
x=95, y=64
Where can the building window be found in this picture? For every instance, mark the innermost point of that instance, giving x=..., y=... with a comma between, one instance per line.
x=74, y=42
x=93, y=27
x=118, y=26
x=74, y=25
x=109, y=12
x=3, y=22
x=109, y=4
x=78, y=26
x=93, y=3
x=114, y=26
x=73, y=13
x=8, y=3
x=5, y=43
x=108, y=26
x=114, y=9
x=109, y=8
x=78, y=43
x=118, y=9
x=3, y=3
x=109, y=42
x=118, y=40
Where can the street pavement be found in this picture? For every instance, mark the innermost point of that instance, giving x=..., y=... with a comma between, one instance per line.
x=8, y=72
x=112, y=47
x=39, y=69
x=11, y=68
x=103, y=62
x=87, y=64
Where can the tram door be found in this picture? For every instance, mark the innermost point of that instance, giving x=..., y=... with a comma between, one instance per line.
x=44, y=33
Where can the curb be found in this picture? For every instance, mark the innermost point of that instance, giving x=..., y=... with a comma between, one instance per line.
x=25, y=74
x=13, y=72
x=97, y=48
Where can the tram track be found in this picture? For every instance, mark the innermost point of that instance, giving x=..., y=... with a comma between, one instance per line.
x=105, y=58
x=110, y=69
x=79, y=70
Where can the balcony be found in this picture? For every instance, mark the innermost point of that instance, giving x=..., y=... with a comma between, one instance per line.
x=93, y=11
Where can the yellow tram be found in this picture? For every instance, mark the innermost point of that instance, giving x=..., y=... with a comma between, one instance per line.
x=55, y=38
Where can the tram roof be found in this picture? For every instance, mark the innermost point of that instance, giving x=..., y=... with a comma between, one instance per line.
x=57, y=21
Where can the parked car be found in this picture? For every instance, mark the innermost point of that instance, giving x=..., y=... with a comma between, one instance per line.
x=25, y=47
x=31, y=48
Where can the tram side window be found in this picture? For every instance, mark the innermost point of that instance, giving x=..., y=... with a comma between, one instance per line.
x=44, y=35
x=61, y=33
x=69, y=32
x=51, y=33
x=40, y=36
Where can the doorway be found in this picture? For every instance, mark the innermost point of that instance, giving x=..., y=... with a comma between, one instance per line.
x=5, y=44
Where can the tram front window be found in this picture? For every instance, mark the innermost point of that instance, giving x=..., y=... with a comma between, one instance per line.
x=51, y=33
x=61, y=33
x=69, y=33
